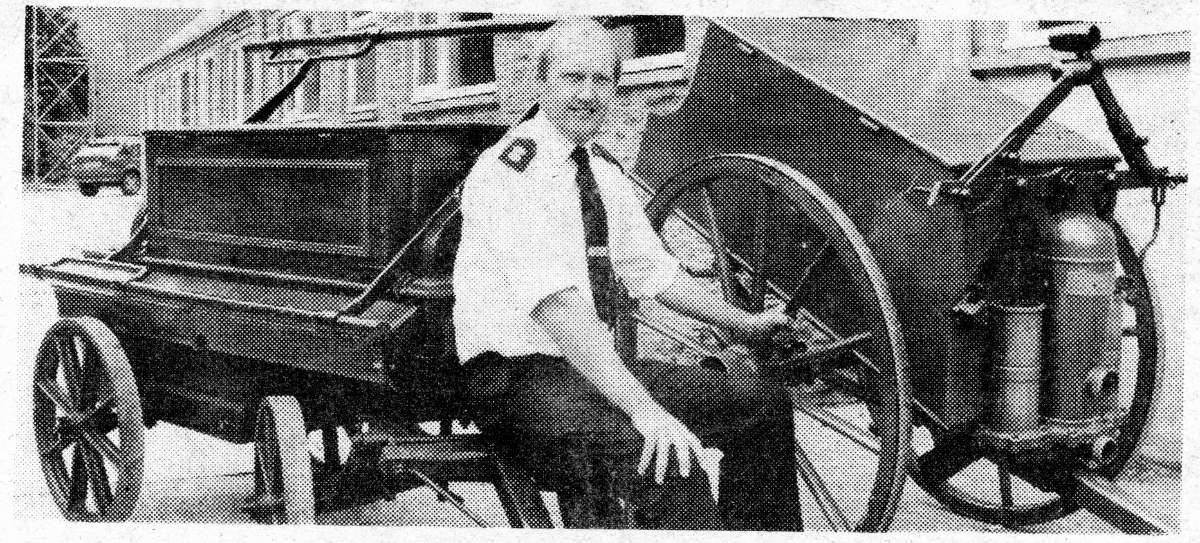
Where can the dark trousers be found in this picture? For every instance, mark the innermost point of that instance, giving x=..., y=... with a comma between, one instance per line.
x=547, y=416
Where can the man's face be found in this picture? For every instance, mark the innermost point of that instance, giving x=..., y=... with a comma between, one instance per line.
x=579, y=87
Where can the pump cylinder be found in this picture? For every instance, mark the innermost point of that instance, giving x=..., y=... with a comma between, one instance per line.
x=1016, y=367
x=1083, y=347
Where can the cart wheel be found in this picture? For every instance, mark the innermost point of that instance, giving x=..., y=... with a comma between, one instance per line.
x=766, y=235
x=87, y=419
x=1010, y=500
x=131, y=183
x=283, y=480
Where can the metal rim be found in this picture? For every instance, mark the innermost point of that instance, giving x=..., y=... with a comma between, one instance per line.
x=283, y=484
x=887, y=433
x=1001, y=506
x=84, y=396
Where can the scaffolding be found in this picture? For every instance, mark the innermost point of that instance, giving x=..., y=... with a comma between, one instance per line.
x=58, y=121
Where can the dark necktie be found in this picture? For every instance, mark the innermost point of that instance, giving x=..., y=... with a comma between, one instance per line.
x=595, y=234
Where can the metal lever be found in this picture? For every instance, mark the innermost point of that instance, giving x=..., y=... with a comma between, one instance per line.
x=791, y=357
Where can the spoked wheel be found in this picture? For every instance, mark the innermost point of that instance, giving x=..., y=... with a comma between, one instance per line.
x=984, y=490
x=283, y=480
x=88, y=421
x=764, y=235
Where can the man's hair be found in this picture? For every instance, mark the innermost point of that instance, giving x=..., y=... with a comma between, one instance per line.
x=573, y=27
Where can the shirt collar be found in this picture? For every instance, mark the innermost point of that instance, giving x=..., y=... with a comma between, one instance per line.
x=552, y=144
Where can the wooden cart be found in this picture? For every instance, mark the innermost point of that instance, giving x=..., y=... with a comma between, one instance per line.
x=290, y=279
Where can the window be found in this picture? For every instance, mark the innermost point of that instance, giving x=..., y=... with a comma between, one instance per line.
x=284, y=72
x=310, y=92
x=245, y=84
x=656, y=45
x=208, y=92
x=361, y=79
x=185, y=98
x=453, y=67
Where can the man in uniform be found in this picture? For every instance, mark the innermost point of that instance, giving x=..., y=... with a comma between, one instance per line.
x=548, y=217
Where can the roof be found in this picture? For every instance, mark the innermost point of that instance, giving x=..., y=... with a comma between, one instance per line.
x=199, y=27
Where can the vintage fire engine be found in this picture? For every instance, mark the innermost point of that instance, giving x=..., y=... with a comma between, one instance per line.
x=966, y=307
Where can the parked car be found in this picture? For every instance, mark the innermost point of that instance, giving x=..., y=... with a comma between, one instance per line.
x=115, y=161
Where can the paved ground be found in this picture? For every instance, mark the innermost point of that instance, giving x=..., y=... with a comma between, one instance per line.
x=192, y=478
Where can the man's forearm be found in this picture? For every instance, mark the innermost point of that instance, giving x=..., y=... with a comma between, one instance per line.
x=689, y=297
x=574, y=328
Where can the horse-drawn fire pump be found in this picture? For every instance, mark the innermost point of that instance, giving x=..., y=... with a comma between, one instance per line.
x=966, y=308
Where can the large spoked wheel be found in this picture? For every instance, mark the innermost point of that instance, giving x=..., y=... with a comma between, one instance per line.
x=88, y=421
x=762, y=234
x=984, y=490
x=283, y=479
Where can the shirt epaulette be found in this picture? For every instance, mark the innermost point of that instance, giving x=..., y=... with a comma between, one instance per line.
x=600, y=151
x=519, y=153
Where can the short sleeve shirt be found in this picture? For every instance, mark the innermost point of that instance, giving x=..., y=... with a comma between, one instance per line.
x=523, y=240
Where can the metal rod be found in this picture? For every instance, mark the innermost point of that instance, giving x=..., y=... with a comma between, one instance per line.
x=844, y=427
x=447, y=496
x=438, y=218
x=1103, y=498
x=1128, y=142
x=1012, y=140
x=264, y=111
x=820, y=493
x=448, y=30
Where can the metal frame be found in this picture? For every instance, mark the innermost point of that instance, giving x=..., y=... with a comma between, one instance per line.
x=78, y=66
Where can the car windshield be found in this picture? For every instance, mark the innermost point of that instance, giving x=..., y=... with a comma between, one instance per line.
x=98, y=151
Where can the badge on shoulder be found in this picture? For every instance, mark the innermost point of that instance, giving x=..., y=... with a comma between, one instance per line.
x=519, y=153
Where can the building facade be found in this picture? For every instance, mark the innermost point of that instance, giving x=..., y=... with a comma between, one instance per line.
x=201, y=76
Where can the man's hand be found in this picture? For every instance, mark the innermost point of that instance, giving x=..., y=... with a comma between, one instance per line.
x=570, y=322
x=662, y=432
x=690, y=298
x=757, y=328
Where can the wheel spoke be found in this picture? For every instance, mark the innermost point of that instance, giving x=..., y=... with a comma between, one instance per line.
x=59, y=398
x=98, y=477
x=758, y=286
x=822, y=253
x=68, y=358
x=820, y=492
x=947, y=459
x=1006, y=494
x=61, y=442
x=840, y=380
x=78, y=493
x=108, y=401
x=101, y=444
x=720, y=248
x=847, y=429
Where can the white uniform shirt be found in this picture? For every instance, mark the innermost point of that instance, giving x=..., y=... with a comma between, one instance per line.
x=523, y=240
